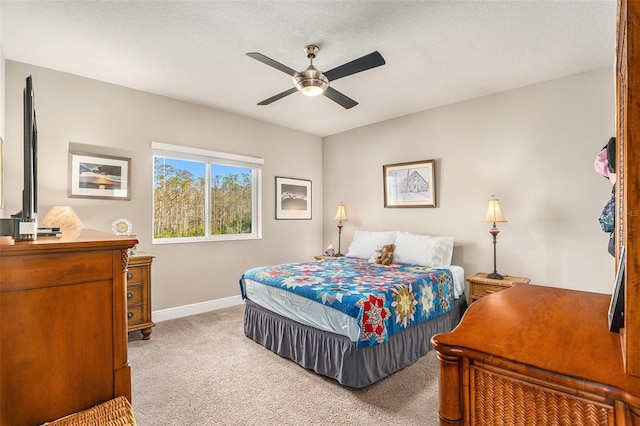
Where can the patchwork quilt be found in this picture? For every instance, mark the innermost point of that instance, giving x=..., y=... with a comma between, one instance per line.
x=384, y=299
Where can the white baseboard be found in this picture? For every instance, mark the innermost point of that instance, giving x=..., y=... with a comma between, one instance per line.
x=195, y=308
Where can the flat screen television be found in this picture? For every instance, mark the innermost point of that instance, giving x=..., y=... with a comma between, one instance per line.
x=27, y=217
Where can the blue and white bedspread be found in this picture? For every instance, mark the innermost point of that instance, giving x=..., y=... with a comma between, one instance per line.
x=383, y=299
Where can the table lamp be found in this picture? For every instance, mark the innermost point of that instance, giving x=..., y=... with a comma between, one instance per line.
x=63, y=217
x=494, y=214
x=341, y=216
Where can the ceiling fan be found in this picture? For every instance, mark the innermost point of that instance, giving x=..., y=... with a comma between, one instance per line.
x=312, y=82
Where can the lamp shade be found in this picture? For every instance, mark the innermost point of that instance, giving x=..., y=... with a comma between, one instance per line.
x=341, y=214
x=62, y=217
x=494, y=213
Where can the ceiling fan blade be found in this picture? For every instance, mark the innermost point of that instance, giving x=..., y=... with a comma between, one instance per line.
x=372, y=60
x=278, y=96
x=339, y=98
x=275, y=64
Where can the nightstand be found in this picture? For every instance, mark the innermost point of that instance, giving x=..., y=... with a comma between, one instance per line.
x=139, y=294
x=324, y=256
x=480, y=285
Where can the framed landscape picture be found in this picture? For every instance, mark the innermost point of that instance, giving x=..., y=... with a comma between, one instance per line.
x=410, y=184
x=99, y=176
x=293, y=198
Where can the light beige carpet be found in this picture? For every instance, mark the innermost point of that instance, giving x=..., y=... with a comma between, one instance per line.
x=203, y=370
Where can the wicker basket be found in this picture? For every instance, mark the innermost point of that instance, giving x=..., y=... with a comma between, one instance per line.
x=116, y=412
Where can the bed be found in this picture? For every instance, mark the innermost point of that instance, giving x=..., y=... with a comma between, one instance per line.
x=350, y=318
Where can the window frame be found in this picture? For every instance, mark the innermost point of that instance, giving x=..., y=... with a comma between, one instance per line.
x=208, y=157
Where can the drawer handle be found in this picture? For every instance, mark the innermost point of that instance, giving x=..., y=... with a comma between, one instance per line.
x=129, y=275
x=129, y=314
x=129, y=295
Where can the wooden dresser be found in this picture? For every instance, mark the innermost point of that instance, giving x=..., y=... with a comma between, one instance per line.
x=544, y=355
x=139, y=294
x=535, y=355
x=63, y=331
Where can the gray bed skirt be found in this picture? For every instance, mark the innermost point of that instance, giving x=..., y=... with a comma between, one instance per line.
x=338, y=357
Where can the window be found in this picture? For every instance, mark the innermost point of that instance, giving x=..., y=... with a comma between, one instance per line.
x=201, y=195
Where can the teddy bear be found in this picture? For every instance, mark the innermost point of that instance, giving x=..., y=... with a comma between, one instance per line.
x=386, y=257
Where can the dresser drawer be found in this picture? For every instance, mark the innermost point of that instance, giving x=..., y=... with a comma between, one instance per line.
x=481, y=289
x=134, y=315
x=540, y=402
x=134, y=275
x=50, y=270
x=134, y=295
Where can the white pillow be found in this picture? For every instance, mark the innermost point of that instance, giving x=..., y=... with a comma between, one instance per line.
x=410, y=248
x=441, y=252
x=423, y=250
x=364, y=243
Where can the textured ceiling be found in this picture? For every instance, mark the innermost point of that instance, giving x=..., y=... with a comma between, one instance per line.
x=436, y=52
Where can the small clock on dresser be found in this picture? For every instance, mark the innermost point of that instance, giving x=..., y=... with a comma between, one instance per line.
x=121, y=227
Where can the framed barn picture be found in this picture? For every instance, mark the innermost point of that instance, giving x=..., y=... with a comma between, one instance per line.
x=410, y=184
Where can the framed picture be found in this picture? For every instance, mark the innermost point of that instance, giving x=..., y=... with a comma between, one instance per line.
x=616, y=307
x=99, y=176
x=293, y=198
x=410, y=184
x=1, y=173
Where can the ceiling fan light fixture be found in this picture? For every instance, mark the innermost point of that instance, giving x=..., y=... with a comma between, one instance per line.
x=311, y=87
x=311, y=82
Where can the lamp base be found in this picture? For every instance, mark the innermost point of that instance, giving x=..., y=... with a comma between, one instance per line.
x=338, y=255
x=495, y=276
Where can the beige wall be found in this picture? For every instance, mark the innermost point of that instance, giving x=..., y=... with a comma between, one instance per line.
x=123, y=122
x=2, y=84
x=2, y=92
x=534, y=148
x=2, y=131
